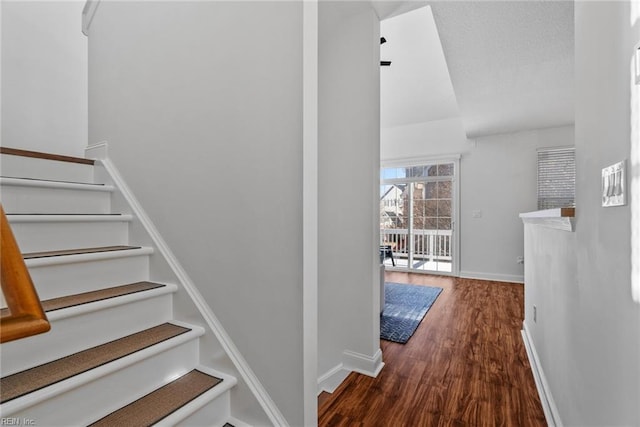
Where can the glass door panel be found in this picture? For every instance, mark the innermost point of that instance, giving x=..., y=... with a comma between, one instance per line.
x=432, y=226
x=416, y=217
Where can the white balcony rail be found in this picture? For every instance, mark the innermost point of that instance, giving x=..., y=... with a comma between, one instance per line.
x=432, y=245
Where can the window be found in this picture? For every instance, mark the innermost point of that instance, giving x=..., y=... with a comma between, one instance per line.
x=556, y=178
x=417, y=216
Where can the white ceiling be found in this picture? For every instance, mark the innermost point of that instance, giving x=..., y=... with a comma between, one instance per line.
x=389, y=8
x=509, y=63
x=416, y=87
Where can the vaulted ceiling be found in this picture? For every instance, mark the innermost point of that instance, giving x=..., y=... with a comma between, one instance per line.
x=500, y=67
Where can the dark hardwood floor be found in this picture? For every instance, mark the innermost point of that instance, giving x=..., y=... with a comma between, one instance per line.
x=466, y=365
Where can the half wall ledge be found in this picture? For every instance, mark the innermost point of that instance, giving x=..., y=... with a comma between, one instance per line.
x=558, y=218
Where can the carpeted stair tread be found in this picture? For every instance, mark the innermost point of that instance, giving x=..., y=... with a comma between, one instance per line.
x=80, y=251
x=30, y=380
x=46, y=156
x=57, y=181
x=102, y=294
x=162, y=402
x=65, y=214
x=93, y=296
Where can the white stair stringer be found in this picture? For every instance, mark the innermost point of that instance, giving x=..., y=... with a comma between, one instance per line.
x=99, y=152
x=40, y=233
x=71, y=274
x=31, y=196
x=73, y=329
x=106, y=388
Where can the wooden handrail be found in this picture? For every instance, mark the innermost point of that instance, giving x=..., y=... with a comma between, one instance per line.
x=25, y=314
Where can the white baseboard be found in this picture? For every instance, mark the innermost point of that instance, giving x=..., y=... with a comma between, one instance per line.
x=330, y=381
x=492, y=276
x=363, y=364
x=351, y=362
x=548, y=404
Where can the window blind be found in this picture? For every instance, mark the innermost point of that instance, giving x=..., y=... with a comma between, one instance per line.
x=556, y=178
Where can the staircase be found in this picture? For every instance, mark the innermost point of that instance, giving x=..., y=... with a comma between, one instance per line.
x=116, y=354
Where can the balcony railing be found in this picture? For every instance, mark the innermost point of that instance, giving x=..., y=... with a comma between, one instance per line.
x=425, y=245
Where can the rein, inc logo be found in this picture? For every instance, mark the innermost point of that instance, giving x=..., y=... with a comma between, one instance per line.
x=16, y=421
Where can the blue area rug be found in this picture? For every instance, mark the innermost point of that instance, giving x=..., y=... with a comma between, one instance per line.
x=404, y=308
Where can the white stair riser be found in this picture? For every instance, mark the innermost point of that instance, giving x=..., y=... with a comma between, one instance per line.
x=74, y=334
x=215, y=413
x=34, y=168
x=54, y=281
x=38, y=200
x=89, y=402
x=50, y=236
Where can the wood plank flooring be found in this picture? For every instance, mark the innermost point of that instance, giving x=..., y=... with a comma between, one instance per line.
x=465, y=365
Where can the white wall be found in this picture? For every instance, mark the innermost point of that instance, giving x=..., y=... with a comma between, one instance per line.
x=590, y=343
x=200, y=103
x=609, y=339
x=44, y=77
x=349, y=161
x=551, y=285
x=425, y=139
x=497, y=177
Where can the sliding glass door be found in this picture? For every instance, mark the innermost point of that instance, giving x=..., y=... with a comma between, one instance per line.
x=417, y=217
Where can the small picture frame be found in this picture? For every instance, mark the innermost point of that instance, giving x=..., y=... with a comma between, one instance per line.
x=614, y=185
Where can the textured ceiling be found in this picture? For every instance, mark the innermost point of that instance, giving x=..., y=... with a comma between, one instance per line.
x=510, y=62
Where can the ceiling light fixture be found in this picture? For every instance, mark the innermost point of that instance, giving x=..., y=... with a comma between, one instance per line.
x=384, y=63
